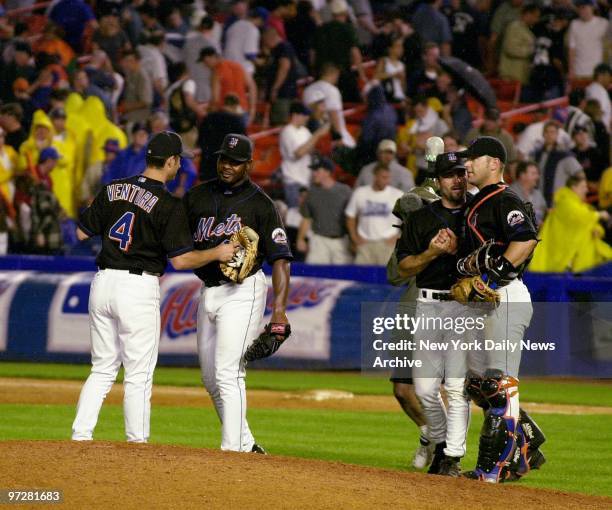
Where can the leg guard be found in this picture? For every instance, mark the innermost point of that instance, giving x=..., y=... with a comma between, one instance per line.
x=472, y=389
x=498, y=437
x=527, y=456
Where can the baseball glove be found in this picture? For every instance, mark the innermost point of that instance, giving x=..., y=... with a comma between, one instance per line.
x=240, y=266
x=268, y=342
x=474, y=289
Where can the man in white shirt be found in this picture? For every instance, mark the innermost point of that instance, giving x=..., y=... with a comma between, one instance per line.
x=532, y=139
x=326, y=84
x=369, y=219
x=587, y=38
x=602, y=77
x=242, y=40
x=296, y=145
x=401, y=177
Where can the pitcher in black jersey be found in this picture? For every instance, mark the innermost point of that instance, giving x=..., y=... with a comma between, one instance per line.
x=230, y=314
x=142, y=226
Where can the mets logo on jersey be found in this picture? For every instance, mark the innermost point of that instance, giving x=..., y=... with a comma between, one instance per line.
x=515, y=218
x=232, y=142
x=207, y=228
x=279, y=236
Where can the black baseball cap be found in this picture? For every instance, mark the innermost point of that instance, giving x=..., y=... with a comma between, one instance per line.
x=167, y=144
x=448, y=163
x=298, y=107
x=485, y=146
x=322, y=162
x=237, y=147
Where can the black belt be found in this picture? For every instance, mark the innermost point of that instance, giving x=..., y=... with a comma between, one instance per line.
x=137, y=271
x=440, y=296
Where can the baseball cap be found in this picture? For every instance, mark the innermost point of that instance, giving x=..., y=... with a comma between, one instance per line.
x=448, y=162
x=166, y=144
x=298, y=107
x=237, y=147
x=48, y=153
x=111, y=145
x=485, y=146
x=387, y=145
x=338, y=6
x=322, y=162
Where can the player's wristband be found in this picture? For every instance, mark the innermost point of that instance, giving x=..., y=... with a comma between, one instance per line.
x=501, y=271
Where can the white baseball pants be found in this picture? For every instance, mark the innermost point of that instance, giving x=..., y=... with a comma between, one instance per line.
x=229, y=318
x=444, y=425
x=124, y=325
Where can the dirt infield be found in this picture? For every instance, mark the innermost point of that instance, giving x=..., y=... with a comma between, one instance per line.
x=102, y=475
x=41, y=391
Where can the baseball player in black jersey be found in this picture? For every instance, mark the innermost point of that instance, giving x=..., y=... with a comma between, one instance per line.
x=142, y=226
x=427, y=249
x=500, y=236
x=230, y=313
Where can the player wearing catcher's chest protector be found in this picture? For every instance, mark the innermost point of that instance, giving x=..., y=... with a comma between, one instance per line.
x=500, y=236
x=233, y=296
x=142, y=226
x=427, y=249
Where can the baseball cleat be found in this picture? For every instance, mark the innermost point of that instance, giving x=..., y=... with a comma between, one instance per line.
x=258, y=449
x=450, y=466
x=434, y=468
x=423, y=455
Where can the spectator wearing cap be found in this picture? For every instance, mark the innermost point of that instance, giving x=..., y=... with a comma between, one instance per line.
x=369, y=219
x=588, y=156
x=326, y=85
x=63, y=175
x=242, y=39
x=297, y=144
x=323, y=216
x=433, y=26
x=518, y=46
x=587, y=38
x=599, y=90
x=131, y=160
x=90, y=185
x=525, y=185
x=556, y=164
x=46, y=212
x=229, y=77
x=11, y=115
x=281, y=75
x=337, y=42
x=213, y=129
x=401, y=177
x=491, y=126
x=574, y=249
x=138, y=91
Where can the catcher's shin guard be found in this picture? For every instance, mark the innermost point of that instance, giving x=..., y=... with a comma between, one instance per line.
x=472, y=389
x=527, y=455
x=498, y=436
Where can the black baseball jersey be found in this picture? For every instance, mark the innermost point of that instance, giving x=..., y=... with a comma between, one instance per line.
x=417, y=233
x=215, y=212
x=141, y=225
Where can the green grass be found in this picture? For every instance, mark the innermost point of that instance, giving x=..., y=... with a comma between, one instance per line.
x=579, y=448
x=572, y=392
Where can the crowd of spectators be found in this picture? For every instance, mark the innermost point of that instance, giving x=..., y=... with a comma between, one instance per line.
x=85, y=84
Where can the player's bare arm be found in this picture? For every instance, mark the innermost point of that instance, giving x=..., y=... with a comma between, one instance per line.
x=280, y=283
x=518, y=251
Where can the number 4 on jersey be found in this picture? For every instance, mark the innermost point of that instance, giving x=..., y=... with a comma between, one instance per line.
x=121, y=231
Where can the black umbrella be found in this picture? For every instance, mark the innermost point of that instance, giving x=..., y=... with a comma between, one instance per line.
x=471, y=79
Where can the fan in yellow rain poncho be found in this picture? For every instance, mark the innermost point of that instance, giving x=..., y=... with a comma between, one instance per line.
x=81, y=130
x=41, y=137
x=8, y=166
x=571, y=233
x=94, y=114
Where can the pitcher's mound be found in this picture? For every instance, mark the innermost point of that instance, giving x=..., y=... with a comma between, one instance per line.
x=119, y=476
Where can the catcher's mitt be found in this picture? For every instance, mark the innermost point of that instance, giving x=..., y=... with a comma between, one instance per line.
x=268, y=342
x=474, y=289
x=240, y=266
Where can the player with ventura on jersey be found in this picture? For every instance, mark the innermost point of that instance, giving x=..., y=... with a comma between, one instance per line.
x=230, y=311
x=142, y=226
